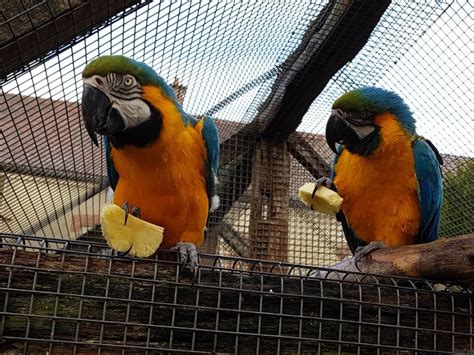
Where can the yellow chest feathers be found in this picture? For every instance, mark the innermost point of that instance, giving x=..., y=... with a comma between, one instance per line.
x=171, y=166
x=380, y=191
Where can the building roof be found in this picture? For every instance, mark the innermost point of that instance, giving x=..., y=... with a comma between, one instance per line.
x=45, y=135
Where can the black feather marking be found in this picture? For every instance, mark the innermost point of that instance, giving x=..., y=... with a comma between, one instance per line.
x=141, y=135
x=435, y=150
x=352, y=240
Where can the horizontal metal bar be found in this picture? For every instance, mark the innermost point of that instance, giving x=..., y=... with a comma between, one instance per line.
x=226, y=310
x=53, y=173
x=103, y=345
x=274, y=292
x=242, y=334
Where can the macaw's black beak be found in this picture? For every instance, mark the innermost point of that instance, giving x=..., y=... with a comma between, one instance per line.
x=98, y=114
x=336, y=130
x=95, y=105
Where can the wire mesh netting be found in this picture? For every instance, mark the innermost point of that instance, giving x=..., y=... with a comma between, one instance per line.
x=230, y=60
x=268, y=73
x=62, y=297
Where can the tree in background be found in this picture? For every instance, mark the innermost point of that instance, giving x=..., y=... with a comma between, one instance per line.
x=457, y=214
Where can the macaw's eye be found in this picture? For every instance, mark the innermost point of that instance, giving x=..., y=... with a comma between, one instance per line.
x=338, y=112
x=128, y=81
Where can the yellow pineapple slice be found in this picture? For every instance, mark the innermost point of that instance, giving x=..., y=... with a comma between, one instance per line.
x=325, y=200
x=141, y=237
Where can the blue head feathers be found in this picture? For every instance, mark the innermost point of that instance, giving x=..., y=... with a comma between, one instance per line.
x=145, y=75
x=379, y=101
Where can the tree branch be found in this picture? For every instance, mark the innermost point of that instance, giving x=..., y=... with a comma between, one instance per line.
x=444, y=259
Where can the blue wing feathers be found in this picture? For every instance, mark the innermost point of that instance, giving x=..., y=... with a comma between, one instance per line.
x=210, y=136
x=430, y=190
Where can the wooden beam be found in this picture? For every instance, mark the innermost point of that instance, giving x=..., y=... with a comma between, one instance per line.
x=233, y=239
x=307, y=156
x=332, y=40
x=31, y=33
x=53, y=302
x=236, y=171
x=269, y=206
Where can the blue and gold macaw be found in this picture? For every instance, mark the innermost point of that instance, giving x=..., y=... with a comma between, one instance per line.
x=389, y=177
x=161, y=162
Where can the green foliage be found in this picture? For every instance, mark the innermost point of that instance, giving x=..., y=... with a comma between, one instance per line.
x=457, y=215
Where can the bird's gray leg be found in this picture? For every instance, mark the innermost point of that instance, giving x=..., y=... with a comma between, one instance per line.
x=187, y=254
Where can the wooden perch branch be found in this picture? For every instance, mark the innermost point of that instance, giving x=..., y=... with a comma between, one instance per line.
x=93, y=301
x=444, y=259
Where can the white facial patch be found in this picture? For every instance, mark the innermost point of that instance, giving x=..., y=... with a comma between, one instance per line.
x=133, y=112
x=126, y=100
x=363, y=131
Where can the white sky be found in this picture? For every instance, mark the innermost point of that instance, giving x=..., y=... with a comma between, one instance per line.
x=434, y=77
x=215, y=48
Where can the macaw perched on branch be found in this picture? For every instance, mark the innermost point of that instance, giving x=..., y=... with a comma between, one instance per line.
x=388, y=176
x=161, y=162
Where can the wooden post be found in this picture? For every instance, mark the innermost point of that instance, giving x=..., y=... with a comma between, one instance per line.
x=270, y=202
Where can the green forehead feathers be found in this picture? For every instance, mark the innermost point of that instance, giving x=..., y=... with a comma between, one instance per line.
x=351, y=101
x=144, y=74
x=377, y=100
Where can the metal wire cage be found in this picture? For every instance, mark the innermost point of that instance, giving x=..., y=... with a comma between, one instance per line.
x=62, y=297
x=267, y=72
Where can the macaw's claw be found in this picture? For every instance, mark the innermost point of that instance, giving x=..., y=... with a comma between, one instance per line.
x=125, y=253
x=323, y=181
x=362, y=251
x=136, y=212
x=126, y=209
x=187, y=255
